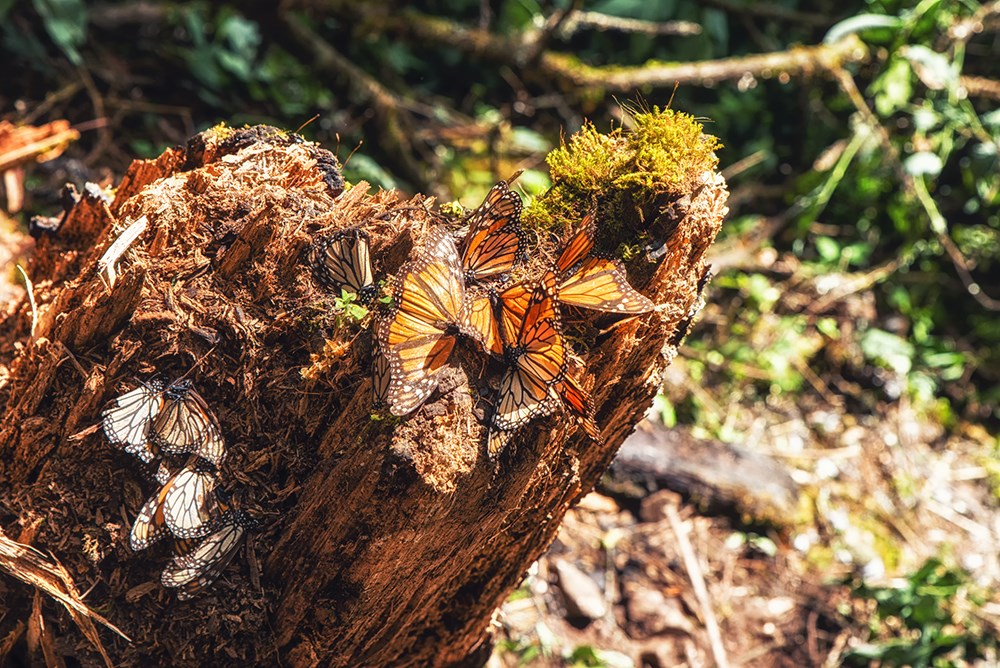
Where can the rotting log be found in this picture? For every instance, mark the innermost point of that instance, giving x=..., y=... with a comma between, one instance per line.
x=385, y=541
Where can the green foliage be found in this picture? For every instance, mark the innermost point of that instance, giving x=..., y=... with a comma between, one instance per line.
x=587, y=656
x=525, y=650
x=350, y=311
x=361, y=167
x=762, y=544
x=66, y=23
x=879, y=184
x=925, y=621
x=896, y=184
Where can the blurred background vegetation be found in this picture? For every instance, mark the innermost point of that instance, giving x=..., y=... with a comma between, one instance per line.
x=856, y=277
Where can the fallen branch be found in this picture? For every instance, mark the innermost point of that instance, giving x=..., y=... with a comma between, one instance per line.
x=26, y=143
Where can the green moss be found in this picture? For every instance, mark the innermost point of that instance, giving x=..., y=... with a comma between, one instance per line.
x=669, y=148
x=220, y=131
x=665, y=155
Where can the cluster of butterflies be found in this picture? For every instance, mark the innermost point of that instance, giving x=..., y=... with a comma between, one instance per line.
x=159, y=422
x=448, y=290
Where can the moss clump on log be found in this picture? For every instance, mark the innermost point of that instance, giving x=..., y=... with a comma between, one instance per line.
x=664, y=157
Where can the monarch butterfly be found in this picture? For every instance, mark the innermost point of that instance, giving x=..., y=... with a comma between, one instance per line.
x=184, y=506
x=418, y=336
x=342, y=261
x=577, y=401
x=593, y=282
x=189, y=505
x=381, y=378
x=484, y=323
x=535, y=356
x=186, y=424
x=495, y=241
x=511, y=305
x=127, y=419
x=495, y=318
x=149, y=525
x=200, y=564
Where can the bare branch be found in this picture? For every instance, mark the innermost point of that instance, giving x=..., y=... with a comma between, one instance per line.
x=980, y=87
x=802, y=61
x=598, y=21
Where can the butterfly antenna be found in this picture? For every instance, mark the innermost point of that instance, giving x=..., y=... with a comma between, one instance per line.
x=196, y=364
x=353, y=151
x=306, y=123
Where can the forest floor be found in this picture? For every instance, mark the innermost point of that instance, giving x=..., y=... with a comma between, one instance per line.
x=881, y=495
x=657, y=572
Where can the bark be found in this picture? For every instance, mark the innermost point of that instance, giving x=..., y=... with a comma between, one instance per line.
x=385, y=542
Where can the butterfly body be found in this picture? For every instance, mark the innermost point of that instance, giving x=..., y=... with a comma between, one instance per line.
x=185, y=424
x=534, y=355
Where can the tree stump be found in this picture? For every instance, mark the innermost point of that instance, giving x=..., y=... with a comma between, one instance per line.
x=383, y=541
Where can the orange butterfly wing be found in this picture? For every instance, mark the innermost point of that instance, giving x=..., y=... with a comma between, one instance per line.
x=484, y=324
x=577, y=401
x=601, y=285
x=495, y=242
x=579, y=245
x=512, y=304
x=595, y=283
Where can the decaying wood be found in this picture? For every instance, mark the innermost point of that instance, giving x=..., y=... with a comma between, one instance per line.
x=27, y=564
x=385, y=542
x=21, y=144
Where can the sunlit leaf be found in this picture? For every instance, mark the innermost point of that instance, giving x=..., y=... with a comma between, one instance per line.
x=893, y=89
x=66, y=23
x=924, y=163
x=934, y=69
x=828, y=249
x=888, y=349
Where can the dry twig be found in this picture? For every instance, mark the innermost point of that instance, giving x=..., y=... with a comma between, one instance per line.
x=698, y=584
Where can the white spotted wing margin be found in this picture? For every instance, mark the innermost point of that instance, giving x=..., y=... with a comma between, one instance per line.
x=149, y=526
x=185, y=424
x=342, y=261
x=417, y=337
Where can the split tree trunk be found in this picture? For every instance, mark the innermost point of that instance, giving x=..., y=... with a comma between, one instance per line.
x=385, y=542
